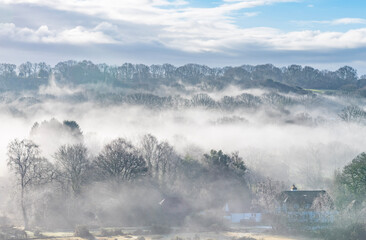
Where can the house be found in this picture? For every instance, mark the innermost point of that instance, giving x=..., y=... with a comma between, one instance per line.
x=306, y=206
x=244, y=215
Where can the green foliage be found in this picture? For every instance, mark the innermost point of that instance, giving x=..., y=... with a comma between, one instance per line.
x=73, y=126
x=225, y=163
x=354, y=176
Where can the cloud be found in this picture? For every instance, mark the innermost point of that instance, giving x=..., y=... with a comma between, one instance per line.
x=77, y=35
x=175, y=25
x=348, y=21
x=340, y=21
x=251, y=14
x=149, y=12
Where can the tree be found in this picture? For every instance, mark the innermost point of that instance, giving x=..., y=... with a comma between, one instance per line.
x=353, y=176
x=120, y=161
x=26, y=70
x=353, y=113
x=161, y=158
x=266, y=193
x=25, y=161
x=226, y=178
x=225, y=163
x=73, y=164
x=7, y=70
x=149, y=147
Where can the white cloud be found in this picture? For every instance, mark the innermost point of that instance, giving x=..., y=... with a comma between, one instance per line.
x=348, y=21
x=77, y=35
x=339, y=21
x=179, y=27
x=251, y=14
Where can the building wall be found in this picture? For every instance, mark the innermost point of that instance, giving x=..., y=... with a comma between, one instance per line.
x=240, y=217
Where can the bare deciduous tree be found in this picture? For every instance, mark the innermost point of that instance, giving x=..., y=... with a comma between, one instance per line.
x=352, y=113
x=161, y=158
x=25, y=161
x=73, y=164
x=120, y=161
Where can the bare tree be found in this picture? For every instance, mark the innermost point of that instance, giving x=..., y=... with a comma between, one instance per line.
x=352, y=113
x=161, y=158
x=167, y=163
x=25, y=161
x=266, y=194
x=149, y=146
x=73, y=164
x=120, y=161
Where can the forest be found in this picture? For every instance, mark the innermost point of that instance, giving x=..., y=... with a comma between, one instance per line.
x=94, y=145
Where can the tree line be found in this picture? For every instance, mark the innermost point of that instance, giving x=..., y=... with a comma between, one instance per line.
x=139, y=76
x=153, y=166
x=127, y=184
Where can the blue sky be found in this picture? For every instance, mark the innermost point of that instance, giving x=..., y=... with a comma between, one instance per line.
x=321, y=33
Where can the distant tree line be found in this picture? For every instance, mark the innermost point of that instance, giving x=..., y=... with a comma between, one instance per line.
x=139, y=76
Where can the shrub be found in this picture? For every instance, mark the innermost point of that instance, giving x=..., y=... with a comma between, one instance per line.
x=83, y=232
x=37, y=233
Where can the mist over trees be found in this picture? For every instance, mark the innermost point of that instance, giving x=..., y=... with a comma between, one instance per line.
x=138, y=145
x=120, y=168
x=30, y=76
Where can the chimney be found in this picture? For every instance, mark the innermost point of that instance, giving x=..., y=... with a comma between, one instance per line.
x=293, y=188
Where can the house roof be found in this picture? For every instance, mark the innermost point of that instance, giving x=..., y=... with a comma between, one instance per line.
x=300, y=197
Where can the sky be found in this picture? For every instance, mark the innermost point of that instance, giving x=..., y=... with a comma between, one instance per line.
x=326, y=34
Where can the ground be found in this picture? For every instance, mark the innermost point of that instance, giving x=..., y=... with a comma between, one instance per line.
x=256, y=233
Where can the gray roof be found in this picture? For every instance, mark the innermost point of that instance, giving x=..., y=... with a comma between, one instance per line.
x=300, y=197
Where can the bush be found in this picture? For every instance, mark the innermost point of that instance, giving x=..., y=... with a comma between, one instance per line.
x=352, y=232
x=37, y=233
x=83, y=232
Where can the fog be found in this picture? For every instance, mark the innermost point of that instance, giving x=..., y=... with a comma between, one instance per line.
x=268, y=138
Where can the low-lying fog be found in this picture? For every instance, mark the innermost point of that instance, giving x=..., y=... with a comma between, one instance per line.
x=269, y=140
